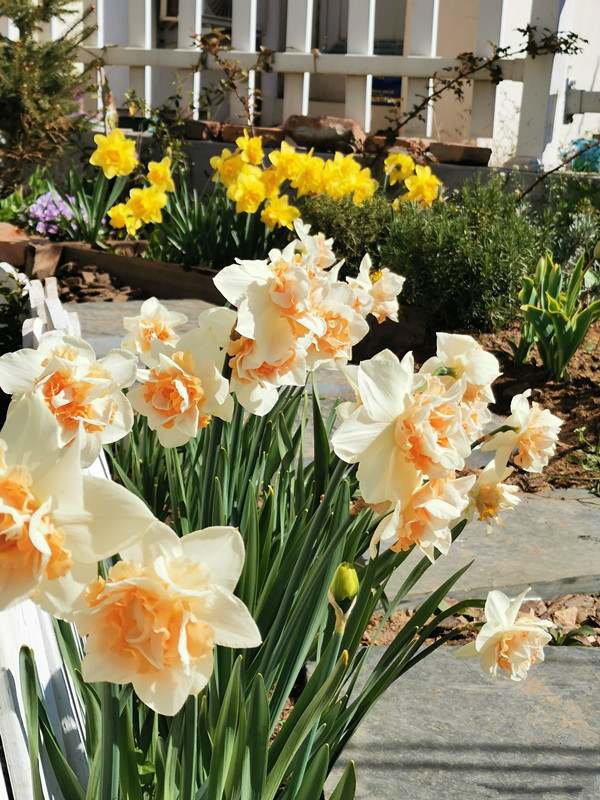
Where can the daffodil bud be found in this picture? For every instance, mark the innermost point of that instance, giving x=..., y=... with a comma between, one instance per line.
x=342, y=593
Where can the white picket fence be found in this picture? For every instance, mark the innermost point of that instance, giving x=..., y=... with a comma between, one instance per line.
x=145, y=44
x=299, y=60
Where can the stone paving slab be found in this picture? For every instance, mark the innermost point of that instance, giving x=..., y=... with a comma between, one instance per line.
x=102, y=323
x=444, y=732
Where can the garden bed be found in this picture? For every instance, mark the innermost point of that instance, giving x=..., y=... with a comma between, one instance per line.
x=576, y=402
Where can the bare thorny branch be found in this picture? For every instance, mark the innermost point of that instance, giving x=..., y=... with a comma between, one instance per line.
x=211, y=46
x=469, y=64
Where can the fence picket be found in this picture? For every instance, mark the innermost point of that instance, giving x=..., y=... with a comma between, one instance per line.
x=361, y=39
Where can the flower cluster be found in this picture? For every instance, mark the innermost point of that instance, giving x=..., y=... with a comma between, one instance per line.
x=145, y=205
x=410, y=434
x=115, y=155
x=250, y=185
x=422, y=186
x=49, y=215
x=156, y=617
x=294, y=315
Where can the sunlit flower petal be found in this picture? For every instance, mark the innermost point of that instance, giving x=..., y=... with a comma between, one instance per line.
x=155, y=620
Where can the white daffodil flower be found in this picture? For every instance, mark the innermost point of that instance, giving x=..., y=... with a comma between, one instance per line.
x=156, y=618
x=507, y=642
x=154, y=321
x=83, y=393
x=55, y=523
x=534, y=435
x=185, y=388
x=428, y=517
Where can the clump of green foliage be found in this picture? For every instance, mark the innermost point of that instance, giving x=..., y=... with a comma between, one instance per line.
x=464, y=258
x=568, y=210
x=355, y=230
x=39, y=87
x=588, y=457
x=204, y=230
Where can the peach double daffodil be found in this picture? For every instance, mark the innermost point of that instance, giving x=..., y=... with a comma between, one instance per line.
x=114, y=154
x=458, y=357
x=156, y=618
x=153, y=322
x=532, y=431
x=427, y=518
x=507, y=642
x=55, y=522
x=489, y=496
x=83, y=393
x=185, y=389
x=377, y=291
x=402, y=427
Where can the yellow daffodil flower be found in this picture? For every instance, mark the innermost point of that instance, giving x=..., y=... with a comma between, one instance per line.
x=423, y=187
x=398, y=166
x=248, y=191
x=279, y=212
x=159, y=175
x=226, y=166
x=146, y=204
x=251, y=147
x=287, y=162
x=114, y=154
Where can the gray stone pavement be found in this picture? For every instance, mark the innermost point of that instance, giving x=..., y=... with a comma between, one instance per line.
x=443, y=730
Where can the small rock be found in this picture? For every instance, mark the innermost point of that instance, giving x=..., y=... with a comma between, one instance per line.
x=324, y=133
x=566, y=617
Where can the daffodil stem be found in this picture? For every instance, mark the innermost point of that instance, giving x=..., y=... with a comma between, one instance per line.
x=488, y=436
x=109, y=744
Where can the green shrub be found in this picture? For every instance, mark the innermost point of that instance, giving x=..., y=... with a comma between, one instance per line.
x=464, y=259
x=39, y=86
x=355, y=230
x=568, y=210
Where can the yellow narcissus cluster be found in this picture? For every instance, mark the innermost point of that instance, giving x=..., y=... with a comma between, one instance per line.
x=422, y=186
x=250, y=183
x=116, y=156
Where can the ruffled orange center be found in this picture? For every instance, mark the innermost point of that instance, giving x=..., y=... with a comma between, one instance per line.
x=146, y=621
x=240, y=348
x=518, y=649
x=18, y=553
x=174, y=391
x=71, y=399
x=153, y=327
